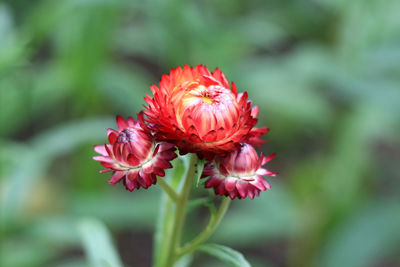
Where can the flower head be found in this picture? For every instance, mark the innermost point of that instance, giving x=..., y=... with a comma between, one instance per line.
x=201, y=113
x=134, y=155
x=239, y=173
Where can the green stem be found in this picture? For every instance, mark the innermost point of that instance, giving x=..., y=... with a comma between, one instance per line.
x=215, y=219
x=168, y=189
x=179, y=217
x=163, y=230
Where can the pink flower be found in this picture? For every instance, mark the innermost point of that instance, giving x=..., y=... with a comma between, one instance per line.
x=134, y=155
x=239, y=173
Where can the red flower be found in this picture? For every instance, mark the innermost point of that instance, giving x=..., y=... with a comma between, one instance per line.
x=239, y=173
x=200, y=112
x=134, y=155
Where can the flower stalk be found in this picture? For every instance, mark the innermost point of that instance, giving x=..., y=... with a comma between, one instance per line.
x=179, y=216
x=213, y=223
x=168, y=189
x=173, y=231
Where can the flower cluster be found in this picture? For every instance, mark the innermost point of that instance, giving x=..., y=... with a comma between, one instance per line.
x=199, y=112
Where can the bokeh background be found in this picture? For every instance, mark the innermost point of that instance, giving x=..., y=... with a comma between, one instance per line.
x=326, y=75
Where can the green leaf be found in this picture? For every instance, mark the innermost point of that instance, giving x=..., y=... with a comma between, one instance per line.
x=22, y=251
x=184, y=261
x=278, y=219
x=199, y=171
x=98, y=244
x=115, y=82
x=225, y=254
x=111, y=208
x=368, y=235
x=176, y=173
x=38, y=154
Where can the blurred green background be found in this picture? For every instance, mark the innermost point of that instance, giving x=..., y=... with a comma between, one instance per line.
x=326, y=75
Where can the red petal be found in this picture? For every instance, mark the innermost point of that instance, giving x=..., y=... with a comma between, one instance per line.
x=109, y=131
x=254, y=111
x=132, y=175
x=142, y=182
x=233, y=194
x=122, y=123
x=259, y=184
x=211, y=136
x=101, y=150
x=104, y=159
x=250, y=192
x=163, y=164
x=266, y=184
x=147, y=168
x=166, y=146
x=209, y=80
x=159, y=172
x=109, y=150
x=130, y=184
x=112, y=138
x=212, y=182
x=131, y=122
x=220, y=189
x=110, y=165
x=234, y=89
x=267, y=159
x=105, y=170
x=263, y=171
x=230, y=183
x=156, y=150
x=148, y=178
x=168, y=155
x=221, y=77
x=242, y=188
x=116, y=177
x=132, y=160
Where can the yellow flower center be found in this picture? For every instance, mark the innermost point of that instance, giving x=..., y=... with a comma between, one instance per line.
x=206, y=99
x=206, y=109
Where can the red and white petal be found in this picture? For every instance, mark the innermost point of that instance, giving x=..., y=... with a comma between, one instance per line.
x=242, y=188
x=103, y=158
x=230, y=183
x=122, y=123
x=116, y=177
x=101, y=150
x=268, y=159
